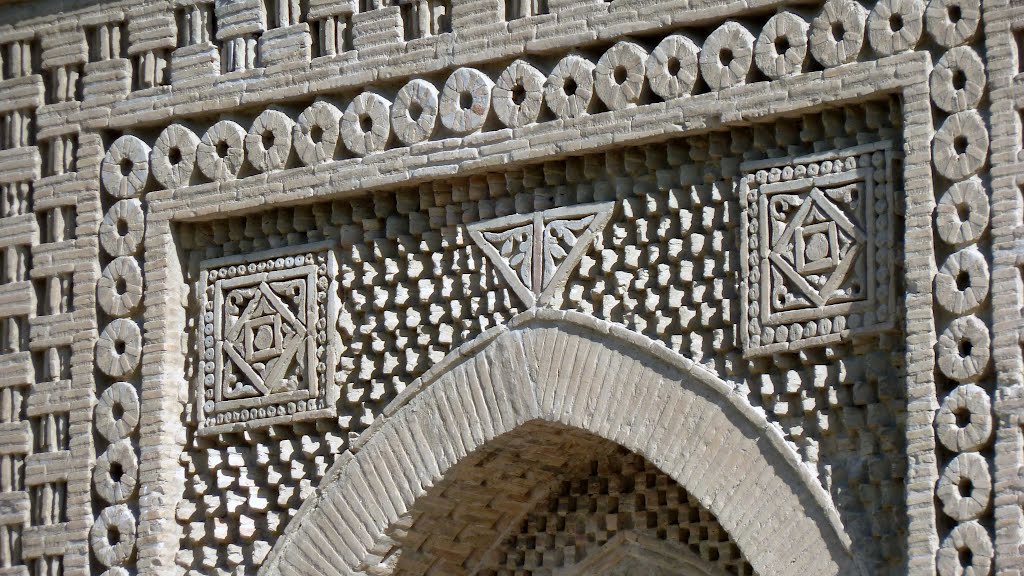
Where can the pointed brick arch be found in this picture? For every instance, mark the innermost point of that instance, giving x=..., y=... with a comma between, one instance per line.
x=582, y=373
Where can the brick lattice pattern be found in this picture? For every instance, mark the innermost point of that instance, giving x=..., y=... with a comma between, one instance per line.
x=511, y=287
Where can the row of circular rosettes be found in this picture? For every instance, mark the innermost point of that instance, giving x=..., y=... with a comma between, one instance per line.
x=118, y=354
x=619, y=79
x=964, y=423
x=962, y=283
x=115, y=475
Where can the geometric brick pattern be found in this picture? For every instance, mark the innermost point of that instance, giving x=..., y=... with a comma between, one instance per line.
x=539, y=484
x=610, y=405
x=867, y=316
x=626, y=495
x=387, y=341
x=818, y=261
x=265, y=362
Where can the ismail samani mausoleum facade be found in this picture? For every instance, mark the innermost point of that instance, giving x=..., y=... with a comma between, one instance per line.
x=511, y=287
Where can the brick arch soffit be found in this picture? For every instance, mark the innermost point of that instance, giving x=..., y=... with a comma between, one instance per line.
x=588, y=374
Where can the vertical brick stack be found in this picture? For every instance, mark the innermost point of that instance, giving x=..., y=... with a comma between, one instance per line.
x=1004, y=62
x=19, y=167
x=48, y=279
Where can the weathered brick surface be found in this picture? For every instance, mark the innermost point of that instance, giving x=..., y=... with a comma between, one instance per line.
x=299, y=286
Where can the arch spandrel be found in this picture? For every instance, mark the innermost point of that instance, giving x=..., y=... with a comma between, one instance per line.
x=586, y=375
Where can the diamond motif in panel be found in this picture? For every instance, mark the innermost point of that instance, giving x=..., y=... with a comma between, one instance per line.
x=817, y=246
x=265, y=333
x=817, y=256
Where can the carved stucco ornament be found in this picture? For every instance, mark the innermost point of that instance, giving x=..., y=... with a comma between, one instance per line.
x=817, y=249
x=265, y=326
x=535, y=252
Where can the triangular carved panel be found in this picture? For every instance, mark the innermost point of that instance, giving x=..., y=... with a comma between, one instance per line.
x=534, y=253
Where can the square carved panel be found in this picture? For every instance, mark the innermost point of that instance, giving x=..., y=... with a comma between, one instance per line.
x=266, y=343
x=817, y=251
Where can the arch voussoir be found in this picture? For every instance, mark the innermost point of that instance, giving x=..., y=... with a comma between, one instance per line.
x=454, y=419
x=590, y=378
x=500, y=366
x=391, y=477
x=396, y=453
x=377, y=506
x=351, y=532
x=620, y=398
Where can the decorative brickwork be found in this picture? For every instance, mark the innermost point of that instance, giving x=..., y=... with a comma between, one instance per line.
x=265, y=338
x=817, y=250
x=295, y=287
x=588, y=520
